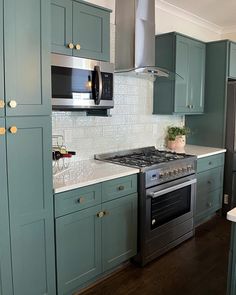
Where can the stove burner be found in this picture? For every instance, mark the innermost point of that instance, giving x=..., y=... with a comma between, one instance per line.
x=146, y=158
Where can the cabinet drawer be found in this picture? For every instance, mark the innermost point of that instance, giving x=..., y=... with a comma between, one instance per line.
x=120, y=187
x=208, y=202
x=77, y=199
x=210, y=162
x=210, y=180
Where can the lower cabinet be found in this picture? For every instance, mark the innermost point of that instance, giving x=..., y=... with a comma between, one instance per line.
x=93, y=241
x=209, y=187
x=30, y=194
x=5, y=255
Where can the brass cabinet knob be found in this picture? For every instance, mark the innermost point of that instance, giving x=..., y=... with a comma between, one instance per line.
x=2, y=104
x=100, y=214
x=78, y=46
x=13, y=129
x=2, y=130
x=12, y=104
x=121, y=188
x=81, y=200
x=71, y=45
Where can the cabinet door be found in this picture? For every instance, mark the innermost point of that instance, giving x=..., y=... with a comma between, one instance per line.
x=27, y=57
x=91, y=31
x=1, y=62
x=78, y=240
x=197, y=76
x=31, y=205
x=232, y=60
x=5, y=260
x=61, y=26
x=119, y=231
x=182, y=69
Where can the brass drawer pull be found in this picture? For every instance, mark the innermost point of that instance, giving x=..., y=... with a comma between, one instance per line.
x=210, y=163
x=12, y=104
x=100, y=214
x=121, y=188
x=71, y=46
x=209, y=204
x=2, y=131
x=81, y=200
x=209, y=182
x=2, y=104
x=13, y=129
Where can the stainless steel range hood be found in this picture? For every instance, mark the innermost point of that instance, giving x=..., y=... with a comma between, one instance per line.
x=135, y=38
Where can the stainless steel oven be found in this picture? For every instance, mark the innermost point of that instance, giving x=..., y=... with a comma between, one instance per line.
x=80, y=84
x=169, y=215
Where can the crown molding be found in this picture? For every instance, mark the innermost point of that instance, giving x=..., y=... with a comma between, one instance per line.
x=179, y=12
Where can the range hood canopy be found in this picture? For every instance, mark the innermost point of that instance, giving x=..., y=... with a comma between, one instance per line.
x=135, y=39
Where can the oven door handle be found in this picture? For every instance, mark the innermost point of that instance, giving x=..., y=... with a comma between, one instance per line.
x=154, y=195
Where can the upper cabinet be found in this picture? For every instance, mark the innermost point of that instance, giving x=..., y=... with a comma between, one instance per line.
x=27, y=61
x=185, y=57
x=232, y=60
x=80, y=29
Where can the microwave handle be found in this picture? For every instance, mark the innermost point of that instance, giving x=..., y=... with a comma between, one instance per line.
x=98, y=94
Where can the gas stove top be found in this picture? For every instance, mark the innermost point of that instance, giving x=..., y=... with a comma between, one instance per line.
x=143, y=157
x=158, y=166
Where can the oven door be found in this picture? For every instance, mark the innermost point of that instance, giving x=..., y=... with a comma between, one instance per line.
x=169, y=205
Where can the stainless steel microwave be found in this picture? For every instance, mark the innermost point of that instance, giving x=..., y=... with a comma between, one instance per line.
x=80, y=84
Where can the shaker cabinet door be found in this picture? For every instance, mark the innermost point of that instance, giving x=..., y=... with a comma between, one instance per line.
x=61, y=26
x=27, y=57
x=2, y=101
x=119, y=231
x=197, y=76
x=31, y=205
x=182, y=69
x=5, y=260
x=91, y=32
x=78, y=249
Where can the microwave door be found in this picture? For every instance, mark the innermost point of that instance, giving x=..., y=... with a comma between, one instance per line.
x=97, y=85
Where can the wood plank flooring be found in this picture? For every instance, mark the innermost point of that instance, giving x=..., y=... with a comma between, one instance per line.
x=197, y=267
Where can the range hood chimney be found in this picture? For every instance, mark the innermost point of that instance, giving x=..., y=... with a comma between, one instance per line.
x=135, y=38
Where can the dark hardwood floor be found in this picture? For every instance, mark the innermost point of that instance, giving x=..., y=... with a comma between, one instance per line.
x=196, y=267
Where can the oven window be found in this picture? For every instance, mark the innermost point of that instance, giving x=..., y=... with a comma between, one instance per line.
x=67, y=82
x=170, y=206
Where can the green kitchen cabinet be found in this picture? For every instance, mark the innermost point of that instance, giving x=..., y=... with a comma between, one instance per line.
x=119, y=231
x=209, y=129
x=61, y=26
x=210, y=172
x=5, y=255
x=27, y=59
x=80, y=29
x=2, y=102
x=29, y=171
x=231, y=282
x=232, y=60
x=78, y=237
x=186, y=57
x=99, y=236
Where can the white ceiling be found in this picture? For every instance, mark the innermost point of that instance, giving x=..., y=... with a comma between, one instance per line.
x=219, y=12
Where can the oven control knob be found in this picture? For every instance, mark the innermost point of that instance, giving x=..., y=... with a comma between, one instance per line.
x=175, y=171
x=189, y=168
x=161, y=175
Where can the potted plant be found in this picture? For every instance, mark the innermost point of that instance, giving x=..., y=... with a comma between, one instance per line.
x=176, y=137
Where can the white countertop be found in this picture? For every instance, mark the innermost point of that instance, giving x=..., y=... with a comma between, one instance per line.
x=231, y=215
x=83, y=173
x=202, y=151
